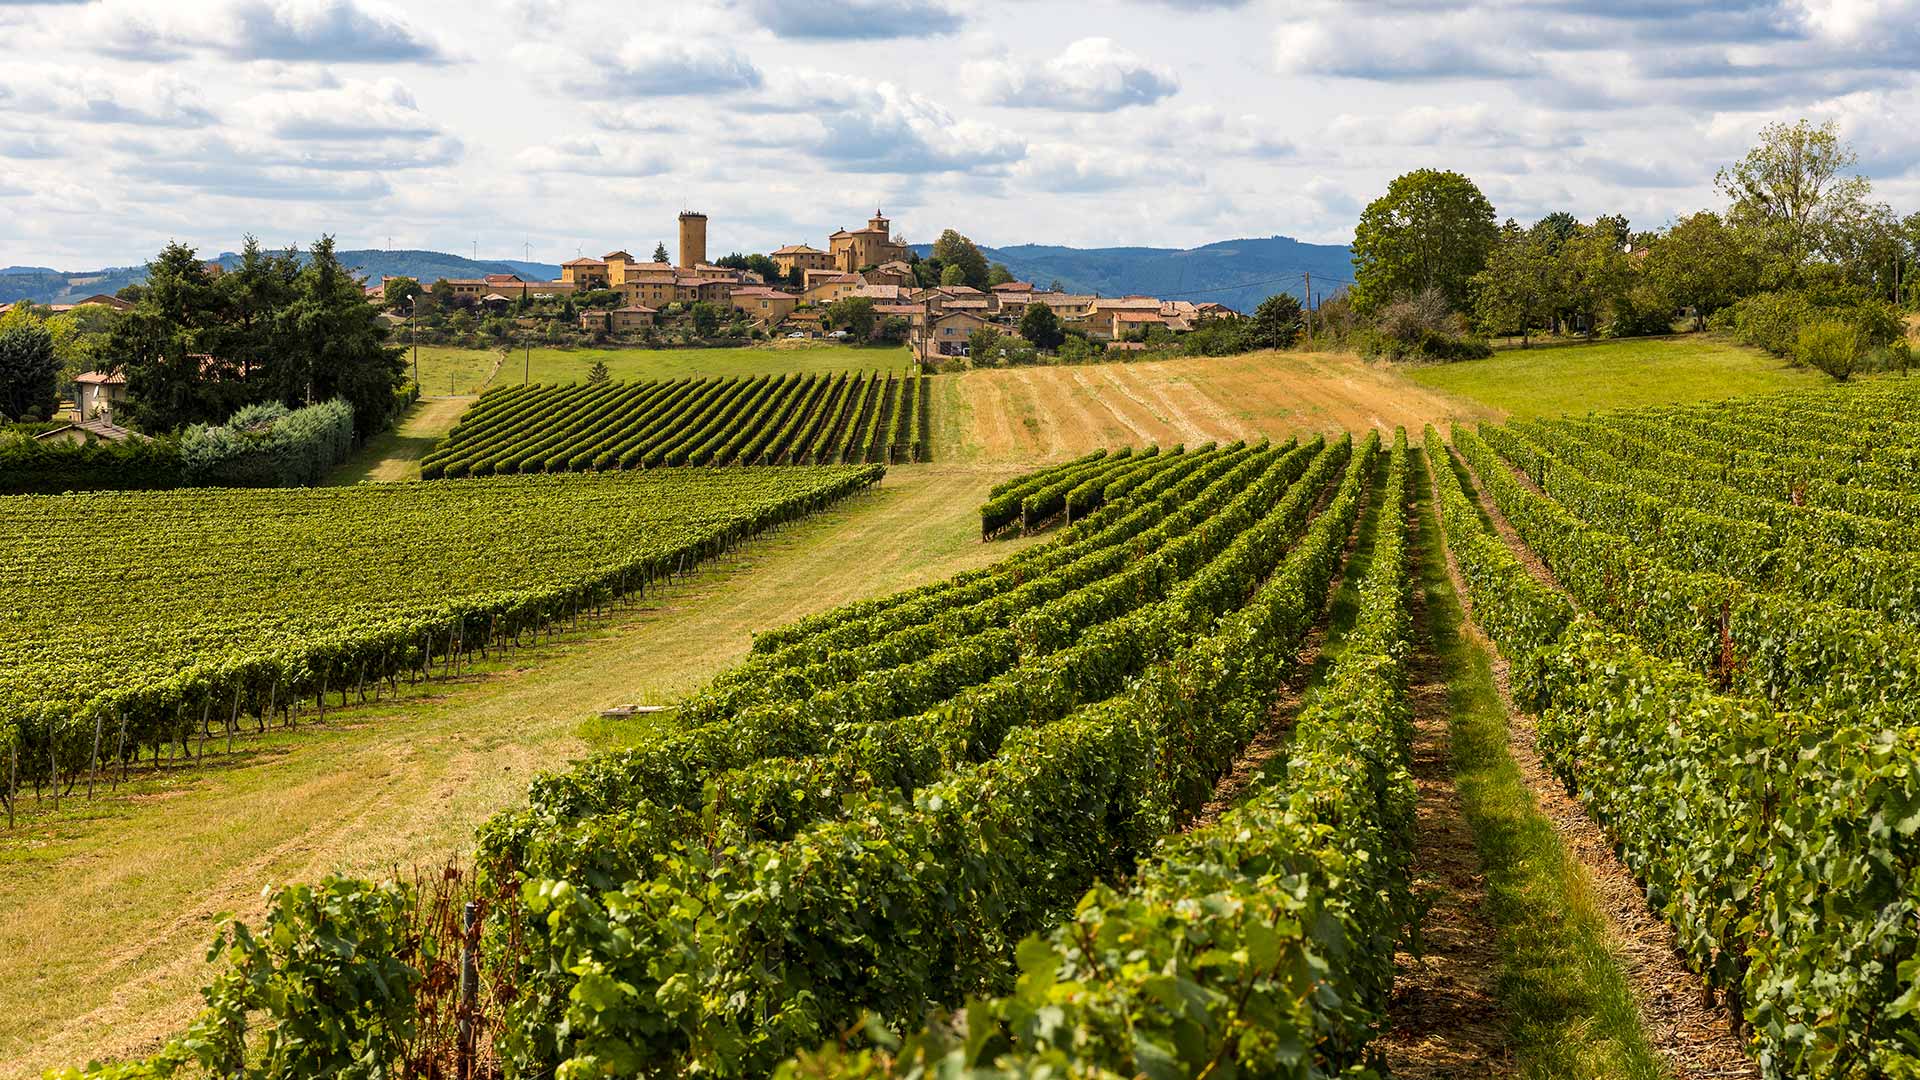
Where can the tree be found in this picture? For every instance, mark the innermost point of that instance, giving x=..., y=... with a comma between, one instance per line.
x=598, y=373
x=1834, y=346
x=660, y=253
x=952, y=249
x=160, y=342
x=1511, y=294
x=398, y=292
x=335, y=345
x=953, y=275
x=1698, y=264
x=1554, y=230
x=1592, y=273
x=854, y=314
x=998, y=274
x=983, y=345
x=29, y=372
x=894, y=330
x=1789, y=191
x=706, y=319
x=1431, y=230
x=1041, y=326
x=1275, y=323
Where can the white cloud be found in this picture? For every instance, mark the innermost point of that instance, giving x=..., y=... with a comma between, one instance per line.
x=855, y=20
x=1398, y=49
x=1093, y=74
x=588, y=156
x=303, y=31
x=654, y=66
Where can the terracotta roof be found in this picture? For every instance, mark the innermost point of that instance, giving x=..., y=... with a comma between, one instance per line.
x=897, y=309
x=634, y=309
x=799, y=249
x=97, y=378
x=1139, y=316
x=966, y=305
x=107, y=431
x=1128, y=303
x=612, y=255
x=501, y=279
x=1014, y=286
x=584, y=262
x=878, y=292
x=1060, y=299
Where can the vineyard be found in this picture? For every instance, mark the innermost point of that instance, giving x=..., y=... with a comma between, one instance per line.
x=872, y=812
x=1144, y=797
x=1723, y=646
x=153, y=621
x=848, y=418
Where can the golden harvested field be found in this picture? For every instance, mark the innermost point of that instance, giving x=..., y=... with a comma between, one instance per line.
x=1042, y=414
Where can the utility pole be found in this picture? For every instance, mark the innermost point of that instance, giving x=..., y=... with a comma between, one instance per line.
x=413, y=327
x=1309, y=311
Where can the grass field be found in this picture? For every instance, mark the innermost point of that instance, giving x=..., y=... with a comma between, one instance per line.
x=449, y=371
x=110, y=905
x=395, y=455
x=1576, y=379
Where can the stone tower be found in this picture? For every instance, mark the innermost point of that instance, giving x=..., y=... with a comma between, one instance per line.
x=693, y=239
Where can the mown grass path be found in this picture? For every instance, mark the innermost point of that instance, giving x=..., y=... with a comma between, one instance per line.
x=109, y=907
x=1523, y=974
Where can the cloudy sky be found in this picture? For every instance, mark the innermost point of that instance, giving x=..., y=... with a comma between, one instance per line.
x=579, y=126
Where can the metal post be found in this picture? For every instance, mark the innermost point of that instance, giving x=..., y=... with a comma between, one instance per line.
x=469, y=985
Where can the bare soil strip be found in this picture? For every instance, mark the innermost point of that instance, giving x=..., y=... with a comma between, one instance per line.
x=1694, y=1037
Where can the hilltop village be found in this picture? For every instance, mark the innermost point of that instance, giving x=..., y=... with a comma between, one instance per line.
x=800, y=291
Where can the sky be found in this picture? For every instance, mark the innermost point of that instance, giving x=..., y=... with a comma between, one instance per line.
x=554, y=128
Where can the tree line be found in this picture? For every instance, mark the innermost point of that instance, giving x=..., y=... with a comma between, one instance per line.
x=1800, y=261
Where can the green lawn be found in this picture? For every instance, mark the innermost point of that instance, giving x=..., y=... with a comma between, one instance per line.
x=466, y=370
x=450, y=372
x=1562, y=379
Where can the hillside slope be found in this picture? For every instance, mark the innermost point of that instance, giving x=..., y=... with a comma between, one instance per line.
x=1237, y=273
x=45, y=286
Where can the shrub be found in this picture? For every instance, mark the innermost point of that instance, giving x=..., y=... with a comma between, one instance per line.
x=1831, y=345
x=1773, y=320
x=269, y=446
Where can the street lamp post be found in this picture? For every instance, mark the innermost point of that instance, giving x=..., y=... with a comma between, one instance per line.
x=413, y=328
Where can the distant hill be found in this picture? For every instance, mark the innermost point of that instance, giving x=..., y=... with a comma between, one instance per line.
x=1237, y=273
x=44, y=286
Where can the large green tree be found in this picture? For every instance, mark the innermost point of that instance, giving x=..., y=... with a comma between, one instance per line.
x=953, y=249
x=1592, y=273
x=335, y=345
x=1275, y=323
x=1791, y=191
x=1514, y=293
x=1041, y=327
x=1699, y=264
x=1431, y=230
x=854, y=314
x=161, y=346
x=29, y=372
